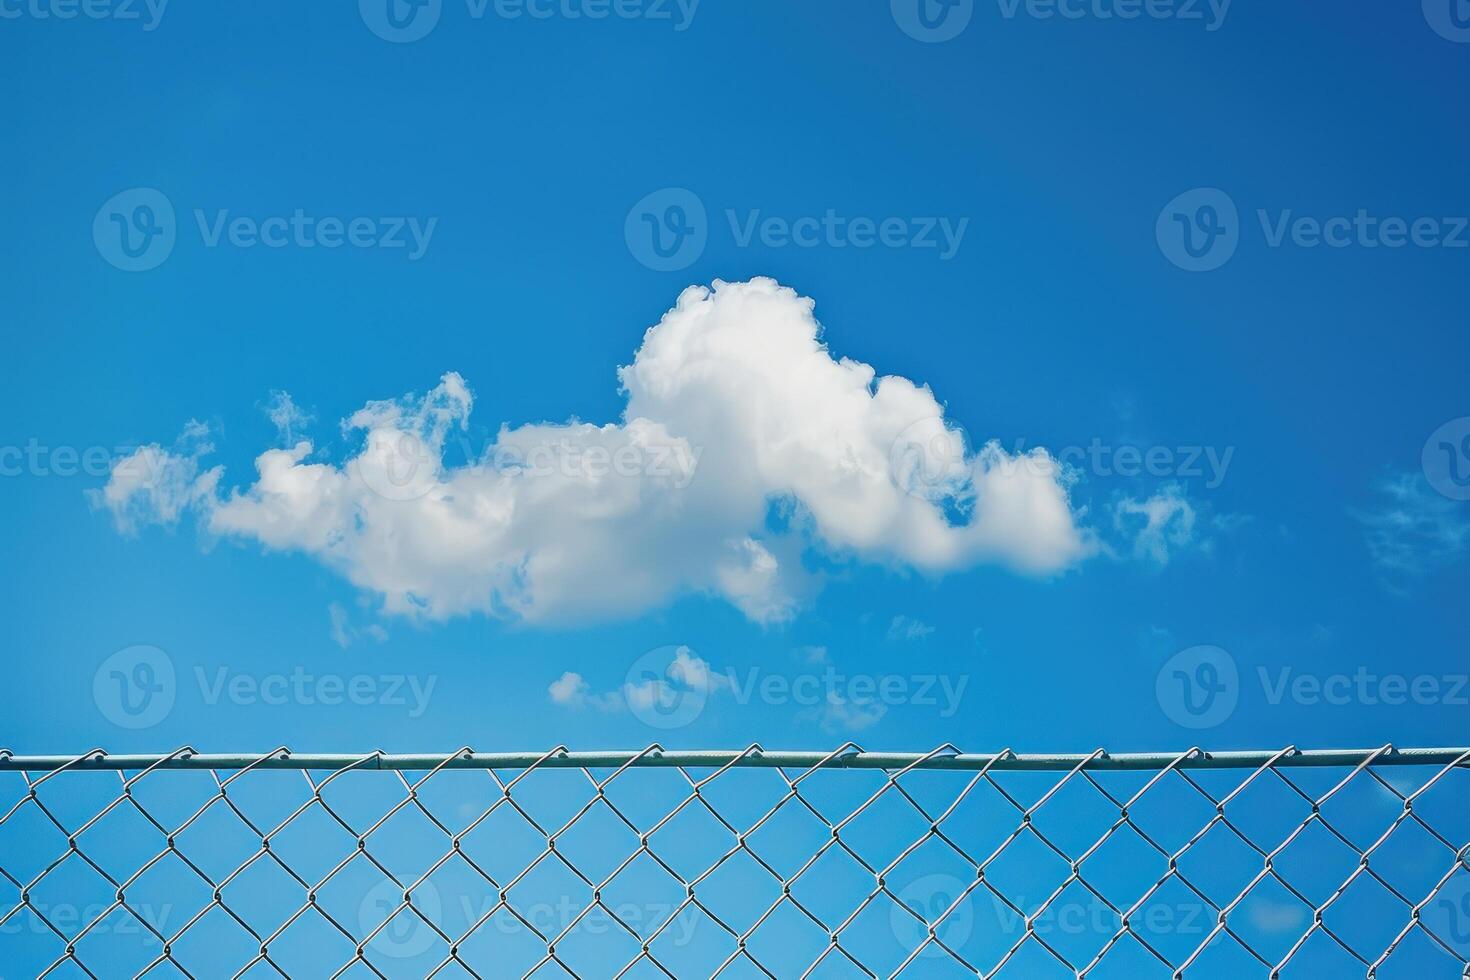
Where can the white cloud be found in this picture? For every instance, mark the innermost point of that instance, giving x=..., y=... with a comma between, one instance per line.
x=733, y=404
x=1414, y=530
x=686, y=673
x=286, y=416
x=813, y=654
x=1160, y=526
x=571, y=690
x=689, y=671
x=841, y=715
x=153, y=485
x=344, y=634
x=338, y=616
x=905, y=628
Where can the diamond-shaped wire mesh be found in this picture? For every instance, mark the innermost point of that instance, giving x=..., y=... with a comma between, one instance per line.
x=752, y=863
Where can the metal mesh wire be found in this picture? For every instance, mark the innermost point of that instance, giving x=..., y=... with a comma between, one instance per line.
x=752, y=863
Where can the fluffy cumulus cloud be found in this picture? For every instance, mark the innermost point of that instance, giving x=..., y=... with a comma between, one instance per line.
x=736, y=410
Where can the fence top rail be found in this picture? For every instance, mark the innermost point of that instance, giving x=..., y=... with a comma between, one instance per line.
x=847, y=757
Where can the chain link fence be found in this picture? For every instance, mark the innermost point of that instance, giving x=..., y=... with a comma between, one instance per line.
x=777, y=864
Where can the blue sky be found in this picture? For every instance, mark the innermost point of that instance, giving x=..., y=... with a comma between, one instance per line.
x=1215, y=265
x=519, y=147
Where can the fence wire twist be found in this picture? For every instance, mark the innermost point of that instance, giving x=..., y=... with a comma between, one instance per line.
x=756, y=863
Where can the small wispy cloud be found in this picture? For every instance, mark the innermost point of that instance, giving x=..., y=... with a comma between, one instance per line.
x=571, y=690
x=154, y=485
x=339, y=625
x=344, y=633
x=840, y=714
x=907, y=628
x=1413, y=530
x=812, y=654
x=1158, y=527
x=289, y=419
x=686, y=673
